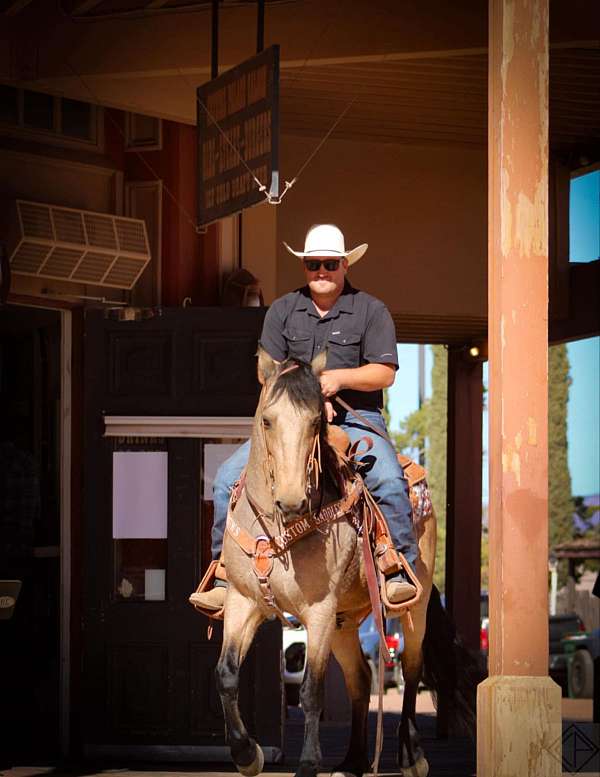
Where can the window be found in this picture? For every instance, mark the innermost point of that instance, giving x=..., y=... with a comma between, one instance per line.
x=9, y=105
x=143, y=133
x=139, y=524
x=76, y=119
x=47, y=118
x=38, y=110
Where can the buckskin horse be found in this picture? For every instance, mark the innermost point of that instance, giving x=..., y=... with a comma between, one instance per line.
x=274, y=566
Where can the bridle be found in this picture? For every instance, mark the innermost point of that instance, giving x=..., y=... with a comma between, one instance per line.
x=313, y=467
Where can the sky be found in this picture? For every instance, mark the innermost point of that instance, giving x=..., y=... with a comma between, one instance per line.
x=583, y=415
x=583, y=418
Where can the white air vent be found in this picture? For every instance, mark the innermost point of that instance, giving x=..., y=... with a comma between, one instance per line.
x=76, y=245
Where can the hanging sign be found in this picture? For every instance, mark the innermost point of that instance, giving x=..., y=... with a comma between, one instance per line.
x=238, y=116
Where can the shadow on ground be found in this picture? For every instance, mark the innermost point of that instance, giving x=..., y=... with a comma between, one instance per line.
x=454, y=757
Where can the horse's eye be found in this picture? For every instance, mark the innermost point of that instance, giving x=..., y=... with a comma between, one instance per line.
x=266, y=423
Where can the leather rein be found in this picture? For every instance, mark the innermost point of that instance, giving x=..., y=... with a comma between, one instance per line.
x=264, y=548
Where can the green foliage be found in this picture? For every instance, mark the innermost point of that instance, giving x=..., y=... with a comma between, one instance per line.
x=436, y=455
x=424, y=431
x=560, y=502
x=485, y=559
x=385, y=411
x=412, y=437
x=586, y=515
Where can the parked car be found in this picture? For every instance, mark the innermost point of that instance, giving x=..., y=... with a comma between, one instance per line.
x=560, y=626
x=294, y=655
x=294, y=660
x=369, y=640
x=581, y=650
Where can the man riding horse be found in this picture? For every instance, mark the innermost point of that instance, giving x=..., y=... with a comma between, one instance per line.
x=357, y=333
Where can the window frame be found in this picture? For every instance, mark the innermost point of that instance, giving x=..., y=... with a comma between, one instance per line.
x=130, y=143
x=55, y=137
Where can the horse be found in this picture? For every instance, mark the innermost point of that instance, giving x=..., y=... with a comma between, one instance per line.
x=320, y=579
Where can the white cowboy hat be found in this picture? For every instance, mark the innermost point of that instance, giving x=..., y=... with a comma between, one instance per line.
x=327, y=240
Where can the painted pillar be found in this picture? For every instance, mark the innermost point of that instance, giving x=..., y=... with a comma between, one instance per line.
x=518, y=706
x=463, y=489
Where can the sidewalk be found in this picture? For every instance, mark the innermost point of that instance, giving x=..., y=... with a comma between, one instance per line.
x=454, y=757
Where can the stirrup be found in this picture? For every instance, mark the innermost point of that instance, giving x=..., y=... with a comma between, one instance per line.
x=215, y=570
x=401, y=608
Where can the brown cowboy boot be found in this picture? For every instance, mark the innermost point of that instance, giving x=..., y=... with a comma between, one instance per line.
x=214, y=599
x=398, y=589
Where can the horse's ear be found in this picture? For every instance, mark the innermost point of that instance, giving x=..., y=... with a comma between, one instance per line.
x=266, y=366
x=318, y=363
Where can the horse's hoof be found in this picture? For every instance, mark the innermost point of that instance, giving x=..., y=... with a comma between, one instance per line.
x=419, y=769
x=256, y=767
x=343, y=774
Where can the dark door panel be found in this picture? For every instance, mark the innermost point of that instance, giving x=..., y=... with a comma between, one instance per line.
x=149, y=666
x=191, y=361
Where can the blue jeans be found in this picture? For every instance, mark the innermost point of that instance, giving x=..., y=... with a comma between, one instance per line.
x=381, y=471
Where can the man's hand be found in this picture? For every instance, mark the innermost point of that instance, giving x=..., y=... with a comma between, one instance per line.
x=369, y=377
x=331, y=382
x=329, y=411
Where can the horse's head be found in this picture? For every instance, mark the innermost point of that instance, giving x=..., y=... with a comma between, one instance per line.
x=289, y=419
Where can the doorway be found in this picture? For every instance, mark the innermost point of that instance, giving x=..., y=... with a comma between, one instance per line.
x=30, y=531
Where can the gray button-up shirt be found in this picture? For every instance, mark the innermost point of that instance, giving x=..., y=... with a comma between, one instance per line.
x=357, y=330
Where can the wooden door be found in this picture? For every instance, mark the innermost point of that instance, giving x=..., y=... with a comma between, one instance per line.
x=148, y=664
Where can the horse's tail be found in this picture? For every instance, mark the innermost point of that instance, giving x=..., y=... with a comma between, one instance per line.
x=450, y=670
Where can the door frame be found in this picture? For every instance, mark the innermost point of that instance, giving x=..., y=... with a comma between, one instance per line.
x=65, y=457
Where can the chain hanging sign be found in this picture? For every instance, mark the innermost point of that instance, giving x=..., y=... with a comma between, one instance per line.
x=238, y=138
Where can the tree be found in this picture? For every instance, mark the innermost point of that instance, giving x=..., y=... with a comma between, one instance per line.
x=412, y=437
x=436, y=453
x=425, y=430
x=560, y=502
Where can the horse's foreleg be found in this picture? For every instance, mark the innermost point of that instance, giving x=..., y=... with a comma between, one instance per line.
x=242, y=618
x=411, y=758
x=319, y=631
x=357, y=674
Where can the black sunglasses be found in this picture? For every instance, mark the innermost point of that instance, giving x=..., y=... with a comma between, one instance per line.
x=331, y=265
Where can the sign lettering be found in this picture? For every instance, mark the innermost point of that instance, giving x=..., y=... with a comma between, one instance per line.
x=244, y=102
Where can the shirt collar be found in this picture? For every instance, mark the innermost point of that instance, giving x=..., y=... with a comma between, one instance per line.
x=343, y=304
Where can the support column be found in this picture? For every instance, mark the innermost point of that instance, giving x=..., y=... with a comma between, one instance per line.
x=519, y=724
x=463, y=489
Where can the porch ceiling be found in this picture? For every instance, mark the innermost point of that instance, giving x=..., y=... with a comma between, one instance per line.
x=416, y=74
x=452, y=330
x=407, y=99
x=435, y=100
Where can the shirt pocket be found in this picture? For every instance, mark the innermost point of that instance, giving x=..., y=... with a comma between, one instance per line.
x=299, y=343
x=343, y=350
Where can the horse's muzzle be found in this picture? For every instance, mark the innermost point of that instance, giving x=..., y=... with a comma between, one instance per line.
x=291, y=510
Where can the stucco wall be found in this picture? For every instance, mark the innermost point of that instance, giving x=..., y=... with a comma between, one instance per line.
x=423, y=212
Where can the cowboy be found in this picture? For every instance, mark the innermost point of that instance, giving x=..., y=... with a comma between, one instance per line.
x=358, y=334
